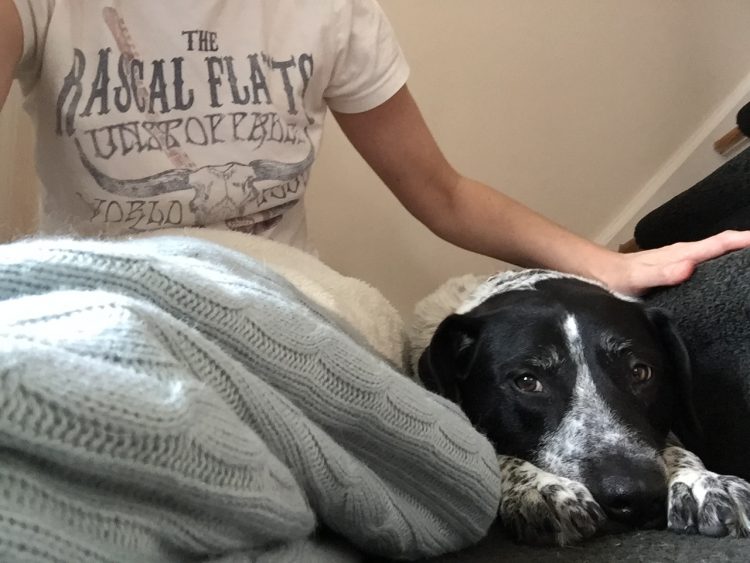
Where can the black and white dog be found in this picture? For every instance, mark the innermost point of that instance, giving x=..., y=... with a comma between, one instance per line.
x=579, y=390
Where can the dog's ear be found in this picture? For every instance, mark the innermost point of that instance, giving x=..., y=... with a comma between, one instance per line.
x=448, y=358
x=686, y=423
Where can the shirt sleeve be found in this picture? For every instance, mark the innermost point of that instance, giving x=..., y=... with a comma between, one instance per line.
x=35, y=17
x=370, y=66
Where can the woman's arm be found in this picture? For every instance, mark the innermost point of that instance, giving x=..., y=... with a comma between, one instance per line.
x=396, y=142
x=11, y=45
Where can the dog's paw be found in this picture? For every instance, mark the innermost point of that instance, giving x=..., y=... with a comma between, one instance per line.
x=703, y=502
x=541, y=508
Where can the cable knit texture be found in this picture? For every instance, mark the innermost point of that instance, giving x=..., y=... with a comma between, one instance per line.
x=172, y=400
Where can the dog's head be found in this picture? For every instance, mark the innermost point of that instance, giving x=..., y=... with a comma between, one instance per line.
x=559, y=371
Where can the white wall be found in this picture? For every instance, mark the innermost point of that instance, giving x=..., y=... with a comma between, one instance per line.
x=695, y=159
x=573, y=107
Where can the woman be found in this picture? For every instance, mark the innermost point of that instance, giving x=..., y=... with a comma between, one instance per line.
x=158, y=114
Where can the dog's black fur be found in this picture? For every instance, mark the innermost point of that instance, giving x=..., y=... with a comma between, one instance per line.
x=582, y=383
x=475, y=357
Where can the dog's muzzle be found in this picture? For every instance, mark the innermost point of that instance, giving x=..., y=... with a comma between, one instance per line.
x=631, y=491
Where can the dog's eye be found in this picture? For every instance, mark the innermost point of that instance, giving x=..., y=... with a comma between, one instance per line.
x=642, y=373
x=528, y=384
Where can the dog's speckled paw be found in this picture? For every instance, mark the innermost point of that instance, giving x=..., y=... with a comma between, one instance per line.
x=703, y=502
x=541, y=508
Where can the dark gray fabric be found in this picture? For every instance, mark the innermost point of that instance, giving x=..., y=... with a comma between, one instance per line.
x=718, y=202
x=712, y=314
x=642, y=546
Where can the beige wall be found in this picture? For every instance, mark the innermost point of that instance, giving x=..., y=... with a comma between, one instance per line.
x=17, y=180
x=569, y=106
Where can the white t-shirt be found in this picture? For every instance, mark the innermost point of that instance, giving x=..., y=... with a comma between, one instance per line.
x=153, y=113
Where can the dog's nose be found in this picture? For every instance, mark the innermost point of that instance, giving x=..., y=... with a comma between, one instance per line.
x=632, y=494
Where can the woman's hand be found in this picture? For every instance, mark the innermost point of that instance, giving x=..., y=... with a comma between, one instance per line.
x=636, y=273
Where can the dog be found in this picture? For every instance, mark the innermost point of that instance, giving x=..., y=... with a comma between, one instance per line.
x=583, y=393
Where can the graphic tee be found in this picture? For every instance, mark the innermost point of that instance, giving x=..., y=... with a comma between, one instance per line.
x=153, y=114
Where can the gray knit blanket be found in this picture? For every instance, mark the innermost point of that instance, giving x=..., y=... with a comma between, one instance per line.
x=171, y=400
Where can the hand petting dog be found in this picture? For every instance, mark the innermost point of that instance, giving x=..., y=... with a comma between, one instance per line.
x=635, y=273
